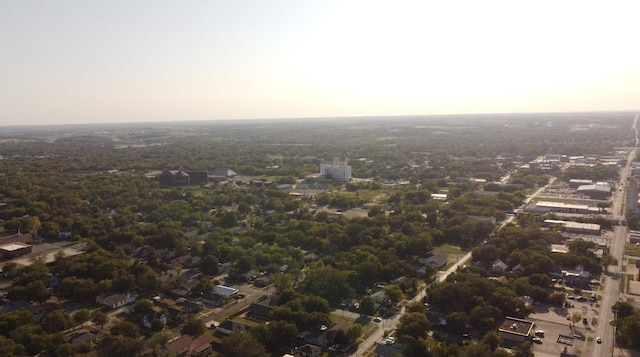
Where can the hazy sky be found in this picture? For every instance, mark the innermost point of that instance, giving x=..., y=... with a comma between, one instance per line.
x=112, y=61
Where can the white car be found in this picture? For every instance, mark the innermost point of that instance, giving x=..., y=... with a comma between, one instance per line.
x=539, y=332
x=537, y=340
x=599, y=339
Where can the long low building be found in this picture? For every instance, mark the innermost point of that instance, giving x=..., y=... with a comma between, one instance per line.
x=13, y=250
x=542, y=207
x=575, y=227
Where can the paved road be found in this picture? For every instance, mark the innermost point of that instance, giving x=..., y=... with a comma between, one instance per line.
x=390, y=324
x=611, y=289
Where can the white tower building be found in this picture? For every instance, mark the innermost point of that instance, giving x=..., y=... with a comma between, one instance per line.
x=338, y=171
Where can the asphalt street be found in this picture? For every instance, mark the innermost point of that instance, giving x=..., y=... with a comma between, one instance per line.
x=611, y=288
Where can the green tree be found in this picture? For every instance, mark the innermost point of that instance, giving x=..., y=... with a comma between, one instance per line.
x=281, y=335
x=143, y=305
x=242, y=345
x=99, y=318
x=353, y=332
x=126, y=329
x=608, y=260
x=56, y=321
x=492, y=339
x=193, y=326
x=622, y=309
x=121, y=346
x=159, y=339
x=209, y=265
x=367, y=305
x=81, y=316
x=394, y=294
x=37, y=291
x=413, y=324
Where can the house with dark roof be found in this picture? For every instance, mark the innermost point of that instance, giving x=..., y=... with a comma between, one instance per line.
x=191, y=306
x=402, y=282
x=433, y=258
x=228, y=327
x=308, y=350
x=79, y=337
x=25, y=238
x=576, y=277
x=498, y=267
x=260, y=311
x=174, y=178
x=189, y=347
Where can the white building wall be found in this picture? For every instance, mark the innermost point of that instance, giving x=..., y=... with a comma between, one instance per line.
x=337, y=171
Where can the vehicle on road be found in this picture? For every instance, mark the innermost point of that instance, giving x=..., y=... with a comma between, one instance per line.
x=539, y=333
x=377, y=319
x=537, y=340
x=599, y=339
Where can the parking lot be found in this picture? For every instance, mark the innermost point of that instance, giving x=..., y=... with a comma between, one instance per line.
x=558, y=333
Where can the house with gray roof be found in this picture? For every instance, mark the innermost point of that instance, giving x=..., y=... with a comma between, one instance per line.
x=433, y=258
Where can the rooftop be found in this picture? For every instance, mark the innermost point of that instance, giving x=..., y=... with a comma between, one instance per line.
x=574, y=225
x=600, y=188
x=224, y=290
x=516, y=326
x=560, y=205
x=14, y=246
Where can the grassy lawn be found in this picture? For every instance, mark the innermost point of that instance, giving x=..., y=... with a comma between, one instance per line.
x=632, y=249
x=451, y=249
x=337, y=318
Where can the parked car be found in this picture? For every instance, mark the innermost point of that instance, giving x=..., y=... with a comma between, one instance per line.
x=537, y=340
x=539, y=333
x=599, y=339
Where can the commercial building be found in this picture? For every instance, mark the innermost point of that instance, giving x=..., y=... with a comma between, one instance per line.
x=575, y=227
x=575, y=183
x=543, y=207
x=338, y=171
x=595, y=192
x=13, y=250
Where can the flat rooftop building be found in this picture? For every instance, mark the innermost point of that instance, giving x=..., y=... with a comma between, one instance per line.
x=12, y=250
x=542, y=207
x=575, y=227
x=515, y=329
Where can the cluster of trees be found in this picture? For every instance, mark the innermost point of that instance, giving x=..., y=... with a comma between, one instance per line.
x=529, y=249
x=61, y=190
x=627, y=324
x=595, y=173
